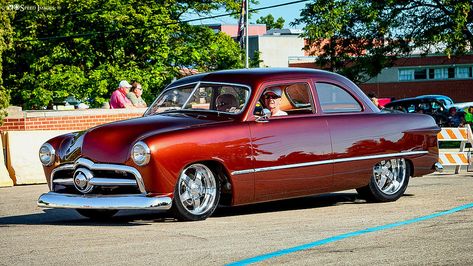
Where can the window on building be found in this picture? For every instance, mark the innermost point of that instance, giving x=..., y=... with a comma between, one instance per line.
x=420, y=74
x=463, y=72
x=406, y=74
x=440, y=73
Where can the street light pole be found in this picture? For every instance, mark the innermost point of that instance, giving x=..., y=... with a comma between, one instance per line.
x=246, y=33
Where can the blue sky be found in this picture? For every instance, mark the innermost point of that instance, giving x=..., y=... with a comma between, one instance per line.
x=289, y=13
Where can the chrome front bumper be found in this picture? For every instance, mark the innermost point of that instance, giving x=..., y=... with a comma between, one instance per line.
x=116, y=202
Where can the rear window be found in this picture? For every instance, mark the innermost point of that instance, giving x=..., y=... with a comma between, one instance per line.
x=334, y=99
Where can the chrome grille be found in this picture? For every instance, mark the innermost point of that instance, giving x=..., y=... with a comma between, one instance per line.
x=106, y=179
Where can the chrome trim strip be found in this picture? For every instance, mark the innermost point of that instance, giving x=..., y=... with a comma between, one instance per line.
x=64, y=181
x=114, y=202
x=342, y=160
x=190, y=96
x=99, y=181
x=60, y=168
x=380, y=156
x=242, y=172
x=103, y=167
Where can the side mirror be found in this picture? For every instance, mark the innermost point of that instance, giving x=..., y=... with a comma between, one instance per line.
x=264, y=116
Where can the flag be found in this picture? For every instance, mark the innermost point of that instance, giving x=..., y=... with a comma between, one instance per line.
x=241, y=24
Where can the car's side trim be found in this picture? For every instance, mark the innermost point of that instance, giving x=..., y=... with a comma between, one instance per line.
x=342, y=160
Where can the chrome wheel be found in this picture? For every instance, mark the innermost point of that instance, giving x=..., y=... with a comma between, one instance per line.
x=197, y=189
x=390, y=175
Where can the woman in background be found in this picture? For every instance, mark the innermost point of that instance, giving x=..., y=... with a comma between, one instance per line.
x=135, y=95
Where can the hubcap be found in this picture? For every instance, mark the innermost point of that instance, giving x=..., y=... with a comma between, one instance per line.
x=390, y=175
x=197, y=189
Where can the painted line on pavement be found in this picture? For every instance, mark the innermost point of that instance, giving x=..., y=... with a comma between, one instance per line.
x=321, y=242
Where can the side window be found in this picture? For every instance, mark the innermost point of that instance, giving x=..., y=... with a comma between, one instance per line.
x=334, y=99
x=287, y=99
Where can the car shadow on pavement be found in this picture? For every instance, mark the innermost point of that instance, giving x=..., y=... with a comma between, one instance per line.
x=319, y=201
x=69, y=217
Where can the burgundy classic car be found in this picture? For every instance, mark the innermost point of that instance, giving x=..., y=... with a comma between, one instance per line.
x=210, y=139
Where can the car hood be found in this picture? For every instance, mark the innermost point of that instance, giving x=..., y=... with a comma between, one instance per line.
x=111, y=143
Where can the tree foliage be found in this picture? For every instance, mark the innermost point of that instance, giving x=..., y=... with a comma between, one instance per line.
x=270, y=23
x=84, y=48
x=5, y=43
x=358, y=38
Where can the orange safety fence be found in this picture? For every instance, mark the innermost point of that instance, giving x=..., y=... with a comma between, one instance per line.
x=460, y=157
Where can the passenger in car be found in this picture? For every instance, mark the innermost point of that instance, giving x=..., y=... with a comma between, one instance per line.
x=226, y=103
x=272, y=101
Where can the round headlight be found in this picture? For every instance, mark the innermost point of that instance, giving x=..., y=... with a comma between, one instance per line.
x=141, y=153
x=46, y=154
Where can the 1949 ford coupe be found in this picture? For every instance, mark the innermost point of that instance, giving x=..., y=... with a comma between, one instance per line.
x=210, y=139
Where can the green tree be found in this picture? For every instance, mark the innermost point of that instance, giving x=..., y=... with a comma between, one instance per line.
x=5, y=43
x=358, y=38
x=270, y=23
x=84, y=48
x=255, y=61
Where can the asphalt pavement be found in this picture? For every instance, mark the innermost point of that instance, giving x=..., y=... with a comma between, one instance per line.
x=431, y=224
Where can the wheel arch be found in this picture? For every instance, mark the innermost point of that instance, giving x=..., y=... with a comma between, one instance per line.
x=224, y=177
x=411, y=167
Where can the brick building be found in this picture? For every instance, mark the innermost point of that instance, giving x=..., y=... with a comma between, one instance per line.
x=417, y=75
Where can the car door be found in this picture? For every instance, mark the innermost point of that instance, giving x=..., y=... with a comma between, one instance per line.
x=291, y=152
x=358, y=134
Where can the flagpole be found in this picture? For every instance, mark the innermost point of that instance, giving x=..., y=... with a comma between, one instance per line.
x=246, y=33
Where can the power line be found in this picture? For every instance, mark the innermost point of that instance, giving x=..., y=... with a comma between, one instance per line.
x=82, y=35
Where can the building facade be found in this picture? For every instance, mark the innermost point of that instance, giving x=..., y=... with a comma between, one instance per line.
x=417, y=75
x=274, y=46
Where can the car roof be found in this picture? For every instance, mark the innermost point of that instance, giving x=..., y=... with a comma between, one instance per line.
x=423, y=98
x=254, y=76
x=412, y=100
x=436, y=96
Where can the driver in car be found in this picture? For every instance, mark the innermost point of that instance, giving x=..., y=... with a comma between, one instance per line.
x=272, y=101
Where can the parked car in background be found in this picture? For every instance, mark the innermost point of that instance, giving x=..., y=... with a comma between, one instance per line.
x=445, y=100
x=433, y=105
x=463, y=105
x=208, y=139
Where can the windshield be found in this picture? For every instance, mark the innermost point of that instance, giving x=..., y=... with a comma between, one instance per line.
x=202, y=96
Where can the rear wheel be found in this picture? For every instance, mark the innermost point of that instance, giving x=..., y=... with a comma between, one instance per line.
x=196, y=194
x=97, y=214
x=388, y=182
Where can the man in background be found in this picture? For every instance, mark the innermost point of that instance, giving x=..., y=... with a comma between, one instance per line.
x=118, y=98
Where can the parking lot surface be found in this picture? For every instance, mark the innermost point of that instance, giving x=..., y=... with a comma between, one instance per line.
x=431, y=224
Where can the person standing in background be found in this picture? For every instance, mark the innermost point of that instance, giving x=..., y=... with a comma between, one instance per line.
x=118, y=98
x=374, y=99
x=135, y=95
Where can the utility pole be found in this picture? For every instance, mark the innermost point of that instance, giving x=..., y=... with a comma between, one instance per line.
x=246, y=33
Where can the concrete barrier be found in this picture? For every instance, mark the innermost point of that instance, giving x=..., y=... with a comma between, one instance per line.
x=5, y=180
x=22, y=155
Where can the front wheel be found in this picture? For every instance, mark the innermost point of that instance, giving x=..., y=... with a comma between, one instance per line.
x=196, y=194
x=388, y=182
